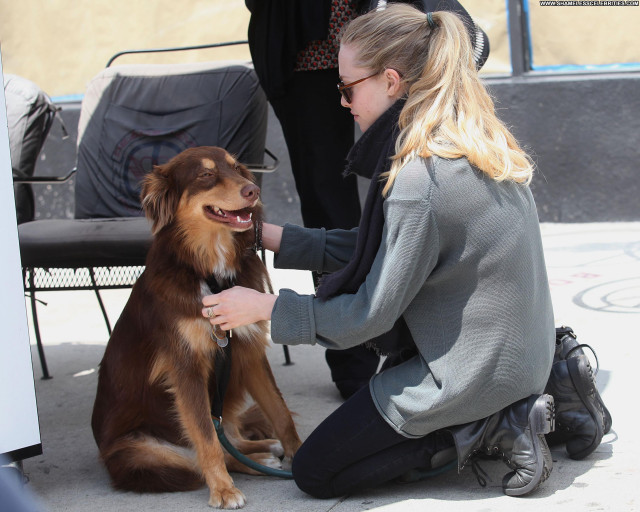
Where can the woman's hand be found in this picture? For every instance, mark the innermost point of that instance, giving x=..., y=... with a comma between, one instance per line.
x=238, y=306
x=271, y=236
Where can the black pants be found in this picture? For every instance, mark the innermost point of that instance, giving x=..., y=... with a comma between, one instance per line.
x=319, y=133
x=355, y=449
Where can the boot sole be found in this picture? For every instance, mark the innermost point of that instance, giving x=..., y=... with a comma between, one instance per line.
x=541, y=422
x=608, y=422
x=582, y=378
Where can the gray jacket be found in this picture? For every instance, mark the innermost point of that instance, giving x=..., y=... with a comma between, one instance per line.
x=461, y=258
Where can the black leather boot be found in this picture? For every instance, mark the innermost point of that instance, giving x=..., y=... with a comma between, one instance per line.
x=581, y=416
x=516, y=435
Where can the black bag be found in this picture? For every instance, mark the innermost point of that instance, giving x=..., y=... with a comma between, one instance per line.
x=30, y=113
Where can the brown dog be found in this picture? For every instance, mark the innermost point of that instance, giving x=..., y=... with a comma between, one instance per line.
x=151, y=418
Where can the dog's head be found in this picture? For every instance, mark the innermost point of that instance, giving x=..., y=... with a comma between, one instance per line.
x=202, y=187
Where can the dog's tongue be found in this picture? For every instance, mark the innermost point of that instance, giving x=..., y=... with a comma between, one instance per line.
x=238, y=218
x=240, y=215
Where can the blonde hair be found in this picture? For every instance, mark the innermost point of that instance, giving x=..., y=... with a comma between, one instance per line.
x=448, y=111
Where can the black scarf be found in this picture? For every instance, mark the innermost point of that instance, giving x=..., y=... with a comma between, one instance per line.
x=370, y=157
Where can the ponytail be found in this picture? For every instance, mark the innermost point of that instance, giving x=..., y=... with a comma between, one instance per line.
x=448, y=111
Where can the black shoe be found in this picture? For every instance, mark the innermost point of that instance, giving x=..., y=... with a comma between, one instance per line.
x=581, y=416
x=443, y=458
x=516, y=435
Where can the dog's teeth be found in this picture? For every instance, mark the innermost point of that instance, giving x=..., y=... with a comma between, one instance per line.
x=250, y=215
x=238, y=218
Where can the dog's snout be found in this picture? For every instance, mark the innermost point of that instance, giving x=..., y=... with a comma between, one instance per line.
x=250, y=192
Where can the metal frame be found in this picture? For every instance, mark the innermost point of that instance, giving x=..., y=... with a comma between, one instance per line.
x=518, y=38
x=35, y=280
x=173, y=49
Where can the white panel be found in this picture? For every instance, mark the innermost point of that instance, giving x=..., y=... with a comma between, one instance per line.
x=19, y=426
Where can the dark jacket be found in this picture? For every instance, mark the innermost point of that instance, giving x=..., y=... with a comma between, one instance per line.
x=279, y=29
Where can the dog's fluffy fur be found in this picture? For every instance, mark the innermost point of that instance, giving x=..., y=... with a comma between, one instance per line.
x=151, y=418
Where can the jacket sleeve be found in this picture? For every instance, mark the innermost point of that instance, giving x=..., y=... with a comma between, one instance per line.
x=407, y=255
x=315, y=249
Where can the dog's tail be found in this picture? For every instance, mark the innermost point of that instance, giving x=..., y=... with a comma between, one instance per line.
x=142, y=463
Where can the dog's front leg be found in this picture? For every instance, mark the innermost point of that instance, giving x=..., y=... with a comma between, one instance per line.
x=264, y=390
x=192, y=404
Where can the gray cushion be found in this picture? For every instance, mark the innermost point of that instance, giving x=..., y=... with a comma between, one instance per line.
x=137, y=116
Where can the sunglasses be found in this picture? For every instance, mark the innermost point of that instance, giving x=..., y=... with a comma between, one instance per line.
x=345, y=89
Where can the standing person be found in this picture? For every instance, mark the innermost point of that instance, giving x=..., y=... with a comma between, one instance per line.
x=294, y=48
x=448, y=256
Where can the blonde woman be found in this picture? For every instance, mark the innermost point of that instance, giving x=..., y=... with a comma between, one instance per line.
x=447, y=258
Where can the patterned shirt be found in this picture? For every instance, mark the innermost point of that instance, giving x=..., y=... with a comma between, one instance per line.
x=324, y=54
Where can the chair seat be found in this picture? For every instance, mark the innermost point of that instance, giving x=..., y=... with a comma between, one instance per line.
x=77, y=243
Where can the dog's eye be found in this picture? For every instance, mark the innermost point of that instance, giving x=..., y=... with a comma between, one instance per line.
x=207, y=174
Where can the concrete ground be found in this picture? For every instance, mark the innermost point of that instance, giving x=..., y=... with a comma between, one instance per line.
x=594, y=271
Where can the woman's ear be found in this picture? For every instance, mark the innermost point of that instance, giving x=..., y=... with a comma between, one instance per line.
x=395, y=87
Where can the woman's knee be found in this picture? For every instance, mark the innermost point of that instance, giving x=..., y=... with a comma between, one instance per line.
x=309, y=477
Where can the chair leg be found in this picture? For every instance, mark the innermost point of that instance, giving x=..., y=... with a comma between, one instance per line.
x=36, y=327
x=95, y=289
x=287, y=357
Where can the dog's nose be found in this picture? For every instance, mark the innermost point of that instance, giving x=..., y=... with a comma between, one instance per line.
x=250, y=192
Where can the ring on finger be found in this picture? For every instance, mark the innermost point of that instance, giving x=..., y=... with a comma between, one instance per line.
x=210, y=312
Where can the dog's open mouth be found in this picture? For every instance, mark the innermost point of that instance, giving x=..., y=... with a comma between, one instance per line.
x=237, y=219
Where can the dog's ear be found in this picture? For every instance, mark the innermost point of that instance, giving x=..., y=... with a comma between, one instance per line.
x=159, y=197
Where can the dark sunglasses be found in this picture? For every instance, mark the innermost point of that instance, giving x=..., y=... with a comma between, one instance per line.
x=345, y=89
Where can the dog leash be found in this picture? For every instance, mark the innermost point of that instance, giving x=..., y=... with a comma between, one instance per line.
x=223, y=373
x=222, y=369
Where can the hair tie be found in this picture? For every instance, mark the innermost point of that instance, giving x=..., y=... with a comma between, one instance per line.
x=432, y=24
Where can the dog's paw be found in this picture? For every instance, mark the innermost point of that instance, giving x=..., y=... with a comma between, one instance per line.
x=277, y=449
x=270, y=462
x=229, y=498
x=287, y=463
